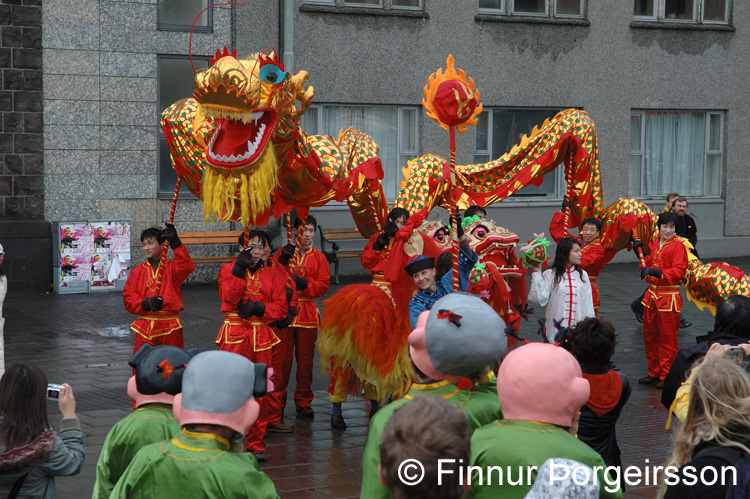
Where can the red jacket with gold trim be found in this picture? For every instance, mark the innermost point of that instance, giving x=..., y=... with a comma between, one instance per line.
x=671, y=257
x=142, y=284
x=266, y=285
x=313, y=266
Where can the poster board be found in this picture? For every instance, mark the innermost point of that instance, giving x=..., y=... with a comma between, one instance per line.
x=90, y=255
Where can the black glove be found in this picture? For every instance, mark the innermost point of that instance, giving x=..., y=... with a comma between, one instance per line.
x=650, y=271
x=259, y=308
x=637, y=244
x=286, y=322
x=245, y=309
x=459, y=229
x=390, y=229
x=243, y=262
x=170, y=234
x=287, y=252
x=300, y=281
x=152, y=304
x=381, y=242
x=565, y=205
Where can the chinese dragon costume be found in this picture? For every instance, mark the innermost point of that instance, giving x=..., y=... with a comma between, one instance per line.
x=238, y=146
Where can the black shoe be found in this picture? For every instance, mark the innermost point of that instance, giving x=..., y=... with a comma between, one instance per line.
x=638, y=311
x=260, y=456
x=338, y=422
x=305, y=412
x=660, y=384
x=685, y=324
x=649, y=380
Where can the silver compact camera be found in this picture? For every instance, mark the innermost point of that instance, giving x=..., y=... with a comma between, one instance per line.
x=53, y=391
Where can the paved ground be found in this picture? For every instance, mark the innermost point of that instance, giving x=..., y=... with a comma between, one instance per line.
x=84, y=340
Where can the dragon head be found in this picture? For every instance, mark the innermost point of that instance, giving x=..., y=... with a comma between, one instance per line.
x=493, y=244
x=246, y=116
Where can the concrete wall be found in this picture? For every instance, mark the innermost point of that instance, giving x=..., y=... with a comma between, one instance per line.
x=607, y=68
x=101, y=121
x=100, y=93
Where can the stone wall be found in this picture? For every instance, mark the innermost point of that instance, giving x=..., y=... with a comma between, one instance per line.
x=21, y=139
x=100, y=111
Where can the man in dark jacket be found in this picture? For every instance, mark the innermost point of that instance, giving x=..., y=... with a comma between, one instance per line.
x=685, y=224
x=731, y=327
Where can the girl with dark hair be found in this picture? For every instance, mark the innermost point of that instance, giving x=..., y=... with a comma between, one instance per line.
x=31, y=454
x=564, y=288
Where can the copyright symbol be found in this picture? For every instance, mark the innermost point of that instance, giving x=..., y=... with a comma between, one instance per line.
x=410, y=472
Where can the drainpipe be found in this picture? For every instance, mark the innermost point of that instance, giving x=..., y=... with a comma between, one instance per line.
x=286, y=35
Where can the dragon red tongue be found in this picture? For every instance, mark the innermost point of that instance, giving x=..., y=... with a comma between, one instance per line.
x=232, y=137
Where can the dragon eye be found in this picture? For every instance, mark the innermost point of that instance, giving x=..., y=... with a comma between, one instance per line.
x=479, y=231
x=270, y=73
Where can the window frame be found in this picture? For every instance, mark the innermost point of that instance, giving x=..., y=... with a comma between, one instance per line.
x=699, y=9
x=559, y=176
x=508, y=9
x=209, y=28
x=401, y=152
x=383, y=5
x=706, y=152
x=166, y=192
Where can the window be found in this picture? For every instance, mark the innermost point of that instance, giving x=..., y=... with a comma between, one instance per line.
x=682, y=11
x=176, y=81
x=394, y=128
x=378, y=4
x=179, y=15
x=534, y=8
x=498, y=130
x=676, y=151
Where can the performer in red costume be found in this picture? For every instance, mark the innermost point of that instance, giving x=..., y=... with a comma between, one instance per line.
x=277, y=398
x=593, y=255
x=245, y=330
x=666, y=265
x=311, y=274
x=365, y=326
x=158, y=321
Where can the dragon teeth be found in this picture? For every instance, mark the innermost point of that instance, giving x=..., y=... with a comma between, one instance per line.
x=252, y=145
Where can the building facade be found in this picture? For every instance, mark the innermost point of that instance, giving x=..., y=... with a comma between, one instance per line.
x=663, y=81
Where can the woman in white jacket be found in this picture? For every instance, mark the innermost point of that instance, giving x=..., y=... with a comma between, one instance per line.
x=564, y=288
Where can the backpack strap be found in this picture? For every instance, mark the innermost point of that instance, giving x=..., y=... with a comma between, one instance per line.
x=17, y=486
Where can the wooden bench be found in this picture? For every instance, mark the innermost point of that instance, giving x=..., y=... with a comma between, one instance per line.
x=332, y=234
x=213, y=238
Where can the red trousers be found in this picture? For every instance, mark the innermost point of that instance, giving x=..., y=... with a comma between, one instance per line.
x=173, y=339
x=660, y=339
x=300, y=345
x=276, y=400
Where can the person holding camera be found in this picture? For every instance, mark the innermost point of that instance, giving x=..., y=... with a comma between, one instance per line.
x=31, y=454
x=731, y=327
x=158, y=311
x=246, y=330
x=715, y=437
